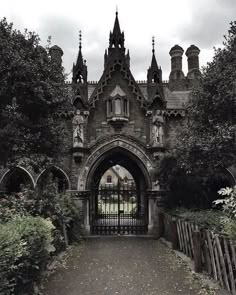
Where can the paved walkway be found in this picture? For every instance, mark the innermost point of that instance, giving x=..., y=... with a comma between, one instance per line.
x=123, y=266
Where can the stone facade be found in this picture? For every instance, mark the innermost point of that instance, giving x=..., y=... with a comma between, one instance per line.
x=120, y=121
x=141, y=114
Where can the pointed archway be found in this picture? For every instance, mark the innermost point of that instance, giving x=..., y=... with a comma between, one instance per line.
x=119, y=209
x=56, y=175
x=16, y=179
x=123, y=157
x=118, y=151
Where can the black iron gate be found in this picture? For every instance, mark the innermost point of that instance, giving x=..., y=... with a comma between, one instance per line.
x=118, y=210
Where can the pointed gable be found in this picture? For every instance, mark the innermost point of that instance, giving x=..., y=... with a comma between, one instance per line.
x=117, y=91
x=117, y=61
x=117, y=65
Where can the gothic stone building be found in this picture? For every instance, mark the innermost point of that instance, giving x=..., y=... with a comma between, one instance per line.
x=119, y=121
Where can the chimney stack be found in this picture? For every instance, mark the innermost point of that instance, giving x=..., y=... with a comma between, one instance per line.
x=176, y=78
x=192, y=54
x=56, y=55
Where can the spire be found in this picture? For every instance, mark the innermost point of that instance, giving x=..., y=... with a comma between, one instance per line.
x=116, y=37
x=80, y=68
x=153, y=44
x=80, y=57
x=116, y=29
x=154, y=72
x=154, y=62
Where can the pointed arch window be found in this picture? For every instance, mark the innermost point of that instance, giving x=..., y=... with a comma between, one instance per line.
x=117, y=106
x=118, y=109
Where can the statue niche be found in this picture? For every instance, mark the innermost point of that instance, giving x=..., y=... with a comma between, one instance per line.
x=78, y=129
x=157, y=128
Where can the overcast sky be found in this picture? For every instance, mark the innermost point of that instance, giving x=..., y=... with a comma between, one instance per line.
x=183, y=22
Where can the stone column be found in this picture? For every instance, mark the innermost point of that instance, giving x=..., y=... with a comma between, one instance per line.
x=87, y=227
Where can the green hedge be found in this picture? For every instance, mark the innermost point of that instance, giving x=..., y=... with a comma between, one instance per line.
x=205, y=219
x=214, y=220
x=25, y=247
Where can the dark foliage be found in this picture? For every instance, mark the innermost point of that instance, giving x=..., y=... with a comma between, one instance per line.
x=207, y=140
x=32, y=91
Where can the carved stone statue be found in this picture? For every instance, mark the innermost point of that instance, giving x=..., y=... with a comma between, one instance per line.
x=78, y=129
x=157, y=128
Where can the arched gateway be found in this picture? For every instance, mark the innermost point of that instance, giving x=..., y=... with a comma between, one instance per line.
x=120, y=122
x=117, y=208
x=118, y=150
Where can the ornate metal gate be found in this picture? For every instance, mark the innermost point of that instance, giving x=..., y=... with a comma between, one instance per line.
x=118, y=210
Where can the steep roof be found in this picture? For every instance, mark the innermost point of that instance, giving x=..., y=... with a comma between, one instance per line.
x=176, y=99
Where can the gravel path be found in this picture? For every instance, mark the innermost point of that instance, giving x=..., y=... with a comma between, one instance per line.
x=123, y=266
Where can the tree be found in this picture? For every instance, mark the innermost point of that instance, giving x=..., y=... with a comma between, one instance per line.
x=206, y=140
x=32, y=91
x=193, y=170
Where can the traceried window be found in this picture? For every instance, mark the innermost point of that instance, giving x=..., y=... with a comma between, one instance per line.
x=125, y=107
x=117, y=106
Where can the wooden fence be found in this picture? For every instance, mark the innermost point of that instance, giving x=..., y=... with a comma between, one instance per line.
x=211, y=252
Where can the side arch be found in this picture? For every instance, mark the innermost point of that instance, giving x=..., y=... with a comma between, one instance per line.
x=14, y=178
x=57, y=172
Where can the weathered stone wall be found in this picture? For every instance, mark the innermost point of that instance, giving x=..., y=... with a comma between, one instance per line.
x=172, y=123
x=97, y=121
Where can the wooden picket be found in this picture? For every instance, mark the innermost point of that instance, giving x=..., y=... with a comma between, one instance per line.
x=167, y=226
x=218, y=253
x=185, y=235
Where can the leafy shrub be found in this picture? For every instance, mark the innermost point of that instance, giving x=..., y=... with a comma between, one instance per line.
x=229, y=202
x=229, y=208
x=25, y=249
x=61, y=209
x=205, y=219
x=47, y=203
x=229, y=227
x=20, y=204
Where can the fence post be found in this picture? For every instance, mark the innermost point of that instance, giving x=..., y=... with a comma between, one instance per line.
x=197, y=251
x=161, y=226
x=174, y=234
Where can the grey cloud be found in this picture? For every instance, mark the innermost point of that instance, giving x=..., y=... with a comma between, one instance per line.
x=209, y=23
x=141, y=59
x=64, y=33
